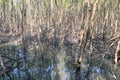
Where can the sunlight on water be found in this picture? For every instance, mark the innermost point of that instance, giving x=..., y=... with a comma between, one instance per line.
x=18, y=73
x=62, y=70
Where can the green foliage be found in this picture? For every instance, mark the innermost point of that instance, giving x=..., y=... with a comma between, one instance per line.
x=64, y=4
x=102, y=1
x=79, y=4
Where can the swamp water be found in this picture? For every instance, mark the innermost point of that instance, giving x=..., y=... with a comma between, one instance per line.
x=58, y=64
x=58, y=68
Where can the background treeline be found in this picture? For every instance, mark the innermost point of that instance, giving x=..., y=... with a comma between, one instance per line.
x=89, y=30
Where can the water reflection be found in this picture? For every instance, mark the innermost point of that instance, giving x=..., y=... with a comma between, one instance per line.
x=50, y=73
x=61, y=67
x=18, y=73
x=55, y=71
x=97, y=70
x=34, y=70
x=19, y=54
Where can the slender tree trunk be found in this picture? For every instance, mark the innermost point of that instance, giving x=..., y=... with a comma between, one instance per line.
x=4, y=7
